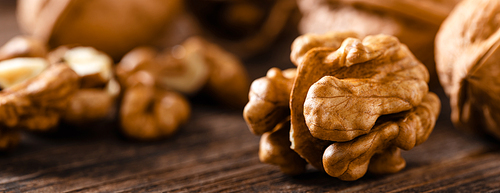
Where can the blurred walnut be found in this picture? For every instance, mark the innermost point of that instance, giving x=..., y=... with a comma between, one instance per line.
x=468, y=63
x=243, y=27
x=354, y=104
x=414, y=23
x=148, y=111
x=191, y=67
x=33, y=92
x=113, y=26
x=98, y=91
x=37, y=102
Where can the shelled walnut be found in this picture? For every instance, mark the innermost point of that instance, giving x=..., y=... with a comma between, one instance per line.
x=267, y=114
x=98, y=90
x=353, y=105
x=112, y=26
x=244, y=27
x=467, y=50
x=148, y=111
x=414, y=23
x=37, y=101
x=194, y=66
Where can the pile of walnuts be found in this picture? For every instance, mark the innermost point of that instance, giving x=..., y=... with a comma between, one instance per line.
x=81, y=85
x=349, y=107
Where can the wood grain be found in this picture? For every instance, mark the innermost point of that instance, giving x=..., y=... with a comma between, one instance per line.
x=215, y=152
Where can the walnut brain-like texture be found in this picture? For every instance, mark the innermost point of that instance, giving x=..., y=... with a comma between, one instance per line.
x=353, y=104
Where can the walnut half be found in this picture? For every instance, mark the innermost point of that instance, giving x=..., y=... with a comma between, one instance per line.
x=354, y=104
x=468, y=64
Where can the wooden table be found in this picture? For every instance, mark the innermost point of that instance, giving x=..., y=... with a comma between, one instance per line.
x=215, y=152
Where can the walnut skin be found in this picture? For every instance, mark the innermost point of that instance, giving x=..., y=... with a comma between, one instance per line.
x=414, y=23
x=113, y=26
x=468, y=65
x=354, y=104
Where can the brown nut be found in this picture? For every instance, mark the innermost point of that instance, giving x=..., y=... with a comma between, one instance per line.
x=149, y=113
x=342, y=94
x=353, y=105
x=191, y=67
x=467, y=50
x=92, y=104
x=37, y=103
x=268, y=114
x=113, y=26
x=98, y=91
x=243, y=27
x=228, y=81
x=269, y=97
x=414, y=23
x=350, y=160
x=23, y=46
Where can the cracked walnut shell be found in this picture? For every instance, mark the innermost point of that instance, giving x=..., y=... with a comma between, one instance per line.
x=414, y=23
x=468, y=64
x=354, y=104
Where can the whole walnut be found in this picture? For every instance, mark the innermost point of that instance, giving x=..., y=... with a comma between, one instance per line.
x=353, y=105
x=468, y=64
x=244, y=27
x=112, y=26
x=413, y=22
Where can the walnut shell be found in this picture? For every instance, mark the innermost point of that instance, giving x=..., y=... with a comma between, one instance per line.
x=113, y=26
x=468, y=63
x=414, y=23
x=243, y=27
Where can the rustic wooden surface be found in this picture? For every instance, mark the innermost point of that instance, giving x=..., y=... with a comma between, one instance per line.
x=215, y=152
